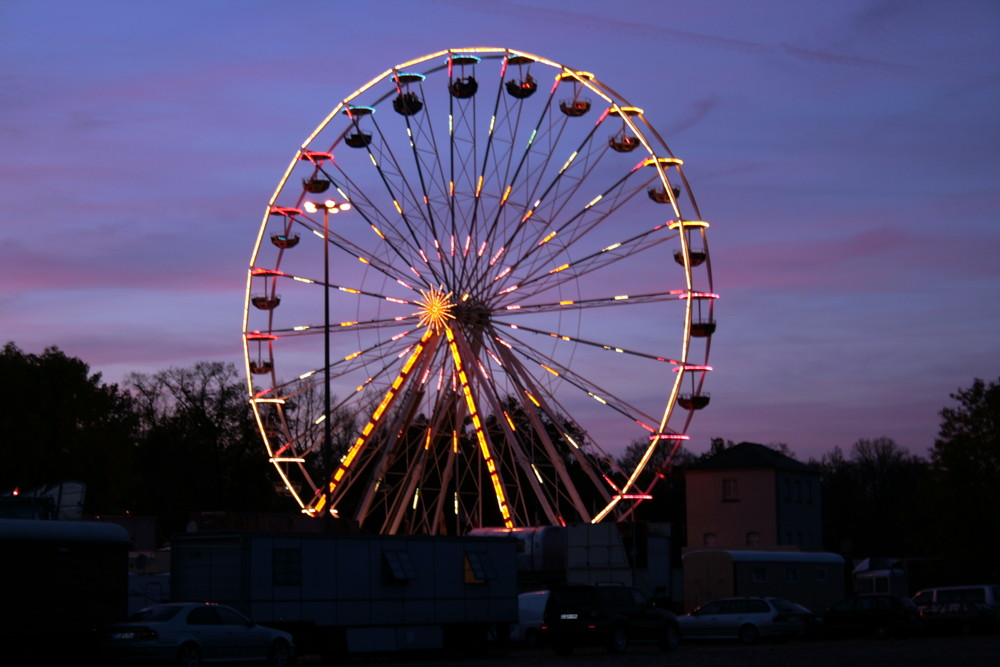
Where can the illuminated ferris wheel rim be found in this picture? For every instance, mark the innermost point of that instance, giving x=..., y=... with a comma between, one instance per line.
x=432, y=297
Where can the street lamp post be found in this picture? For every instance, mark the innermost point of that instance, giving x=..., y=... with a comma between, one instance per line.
x=327, y=207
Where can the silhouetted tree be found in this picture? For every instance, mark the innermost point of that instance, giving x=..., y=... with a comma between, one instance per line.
x=874, y=503
x=60, y=423
x=199, y=449
x=966, y=459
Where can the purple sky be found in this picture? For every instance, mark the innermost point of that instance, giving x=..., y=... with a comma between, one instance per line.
x=847, y=155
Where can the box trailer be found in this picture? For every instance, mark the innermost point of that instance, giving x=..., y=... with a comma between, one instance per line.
x=813, y=579
x=356, y=593
x=632, y=553
x=63, y=580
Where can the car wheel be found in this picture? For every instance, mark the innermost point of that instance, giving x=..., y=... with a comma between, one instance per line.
x=671, y=638
x=749, y=634
x=280, y=654
x=617, y=640
x=188, y=655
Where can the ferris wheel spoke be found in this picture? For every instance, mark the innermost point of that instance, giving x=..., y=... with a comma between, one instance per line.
x=479, y=181
x=566, y=375
x=396, y=435
x=511, y=455
x=522, y=241
x=581, y=341
x=398, y=246
x=530, y=263
x=616, y=301
x=537, y=402
x=567, y=180
x=430, y=174
x=338, y=328
x=463, y=144
x=619, y=251
x=406, y=202
x=456, y=345
x=355, y=253
x=405, y=198
x=347, y=366
x=393, y=438
x=546, y=478
x=405, y=374
x=530, y=149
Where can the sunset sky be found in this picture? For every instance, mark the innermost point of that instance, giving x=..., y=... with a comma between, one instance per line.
x=847, y=156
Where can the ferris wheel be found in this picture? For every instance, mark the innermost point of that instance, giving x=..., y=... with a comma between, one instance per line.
x=480, y=278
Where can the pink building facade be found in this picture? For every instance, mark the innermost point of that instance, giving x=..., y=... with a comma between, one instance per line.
x=752, y=497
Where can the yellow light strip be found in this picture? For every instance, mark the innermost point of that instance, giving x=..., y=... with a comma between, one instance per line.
x=688, y=223
x=484, y=446
x=386, y=400
x=665, y=161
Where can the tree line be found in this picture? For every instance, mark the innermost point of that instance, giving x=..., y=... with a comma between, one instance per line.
x=183, y=440
x=167, y=444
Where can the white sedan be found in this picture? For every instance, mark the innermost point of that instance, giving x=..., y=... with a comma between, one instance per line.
x=745, y=619
x=191, y=633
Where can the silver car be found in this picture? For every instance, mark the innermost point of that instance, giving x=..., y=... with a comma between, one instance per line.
x=189, y=634
x=745, y=619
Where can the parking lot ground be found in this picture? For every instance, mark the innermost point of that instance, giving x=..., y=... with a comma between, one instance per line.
x=943, y=651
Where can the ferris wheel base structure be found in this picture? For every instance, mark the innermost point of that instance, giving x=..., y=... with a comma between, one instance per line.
x=481, y=273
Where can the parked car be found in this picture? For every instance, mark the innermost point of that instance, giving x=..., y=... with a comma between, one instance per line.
x=878, y=615
x=746, y=619
x=192, y=633
x=530, y=612
x=967, y=618
x=609, y=615
x=984, y=594
x=965, y=609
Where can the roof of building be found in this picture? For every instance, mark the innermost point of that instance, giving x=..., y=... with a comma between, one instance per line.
x=62, y=531
x=748, y=556
x=751, y=455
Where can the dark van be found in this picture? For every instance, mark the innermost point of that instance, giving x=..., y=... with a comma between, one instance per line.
x=610, y=615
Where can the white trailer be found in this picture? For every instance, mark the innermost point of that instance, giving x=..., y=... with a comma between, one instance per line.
x=356, y=593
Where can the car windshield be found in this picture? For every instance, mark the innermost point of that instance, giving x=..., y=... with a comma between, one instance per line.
x=710, y=608
x=785, y=605
x=151, y=614
x=572, y=597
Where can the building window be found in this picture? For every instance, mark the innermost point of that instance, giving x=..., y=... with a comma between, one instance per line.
x=399, y=565
x=286, y=567
x=759, y=575
x=478, y=568
x=753, y=539
x=791, y=575
x=730, y=491
x=710, y=540
x=822, y=574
